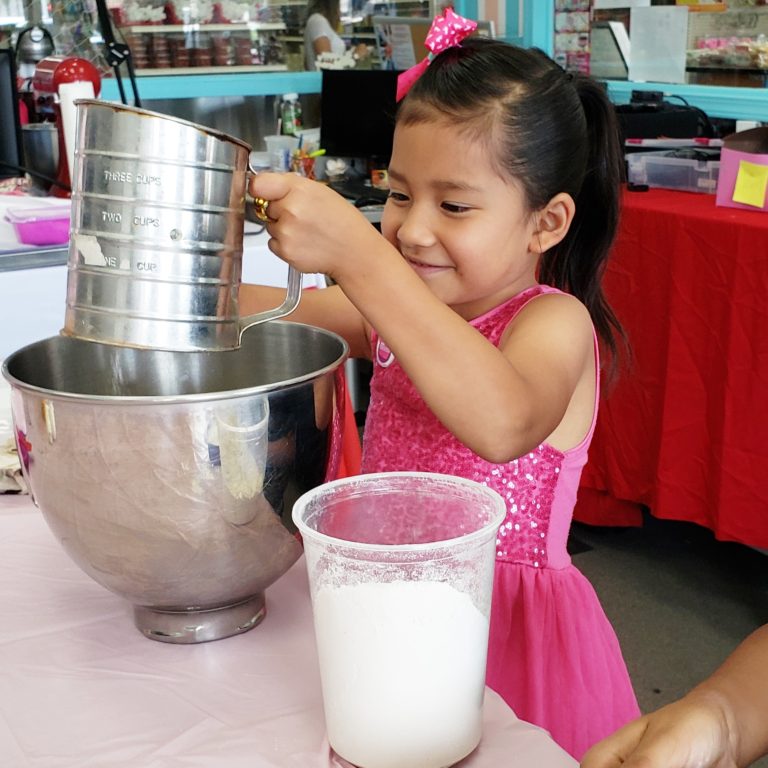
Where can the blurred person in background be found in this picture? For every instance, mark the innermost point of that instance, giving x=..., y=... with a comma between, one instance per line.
x=321, y=33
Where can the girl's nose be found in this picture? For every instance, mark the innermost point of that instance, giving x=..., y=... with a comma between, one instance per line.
x=415, y=230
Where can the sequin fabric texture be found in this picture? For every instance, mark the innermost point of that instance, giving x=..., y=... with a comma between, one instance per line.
x=401, y=434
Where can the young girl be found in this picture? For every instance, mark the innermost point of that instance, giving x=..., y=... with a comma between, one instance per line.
x=478, y=304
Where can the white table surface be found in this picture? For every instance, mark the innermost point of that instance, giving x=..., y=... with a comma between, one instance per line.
x=80, y=687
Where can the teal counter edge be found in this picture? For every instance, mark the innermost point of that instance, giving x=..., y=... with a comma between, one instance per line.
x=214, y=84
x=716, y=101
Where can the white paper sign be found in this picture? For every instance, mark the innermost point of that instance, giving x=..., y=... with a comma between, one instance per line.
x=395, y=43
x=659, y=36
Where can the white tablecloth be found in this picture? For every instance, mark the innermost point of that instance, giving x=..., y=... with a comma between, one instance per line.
x=80, y=687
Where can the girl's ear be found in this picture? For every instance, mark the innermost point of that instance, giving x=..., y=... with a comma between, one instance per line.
x=552, y=222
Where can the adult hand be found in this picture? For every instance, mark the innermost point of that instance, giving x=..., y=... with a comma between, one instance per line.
x=690, y=733
x=312, y=227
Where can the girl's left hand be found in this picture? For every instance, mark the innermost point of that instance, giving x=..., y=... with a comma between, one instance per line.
x=312, y=227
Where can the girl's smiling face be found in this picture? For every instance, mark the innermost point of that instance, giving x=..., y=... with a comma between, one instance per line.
x=463, y=228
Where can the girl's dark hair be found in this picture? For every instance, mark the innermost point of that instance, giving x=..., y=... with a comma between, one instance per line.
x=328, y=8
x=552, y=132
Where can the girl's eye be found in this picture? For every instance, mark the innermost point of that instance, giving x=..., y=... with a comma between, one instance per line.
x=397, y=196
x=455, y=207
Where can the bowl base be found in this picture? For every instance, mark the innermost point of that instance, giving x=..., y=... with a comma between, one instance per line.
x=186, y=627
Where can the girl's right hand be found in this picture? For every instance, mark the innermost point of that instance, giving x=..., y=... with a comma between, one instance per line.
x=312, y=227
x=689, y=733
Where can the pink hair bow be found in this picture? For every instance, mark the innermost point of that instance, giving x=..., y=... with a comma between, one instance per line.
x=446, y=31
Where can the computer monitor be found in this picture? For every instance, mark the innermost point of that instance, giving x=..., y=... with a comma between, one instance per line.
x=357, y=113
x=609, y=50
x=11, y=155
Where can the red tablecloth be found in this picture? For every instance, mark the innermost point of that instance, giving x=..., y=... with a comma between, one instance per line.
x=685, y=430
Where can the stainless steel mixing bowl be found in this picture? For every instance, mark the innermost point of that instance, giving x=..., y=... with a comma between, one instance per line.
x=169, y=477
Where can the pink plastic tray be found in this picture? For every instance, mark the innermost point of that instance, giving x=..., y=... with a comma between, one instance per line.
x=40, y=226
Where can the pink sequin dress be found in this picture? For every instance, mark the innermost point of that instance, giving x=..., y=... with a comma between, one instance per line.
x=553, y=655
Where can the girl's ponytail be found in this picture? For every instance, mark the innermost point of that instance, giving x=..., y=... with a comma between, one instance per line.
x=577, y=264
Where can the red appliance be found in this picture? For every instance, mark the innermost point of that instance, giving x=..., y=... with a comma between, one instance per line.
x=50, y=74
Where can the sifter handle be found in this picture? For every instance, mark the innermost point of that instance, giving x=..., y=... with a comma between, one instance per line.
x=290, y=303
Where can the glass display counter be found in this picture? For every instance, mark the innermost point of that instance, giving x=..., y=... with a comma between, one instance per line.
x=187, y=48
x=181, y=38
x=204, y=48
x=729, y=47
x=726, y=51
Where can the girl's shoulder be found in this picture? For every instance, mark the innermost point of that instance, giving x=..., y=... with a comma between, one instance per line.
x=518, y=301
x=541, y=308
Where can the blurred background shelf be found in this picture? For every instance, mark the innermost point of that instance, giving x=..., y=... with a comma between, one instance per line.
x=249, y=26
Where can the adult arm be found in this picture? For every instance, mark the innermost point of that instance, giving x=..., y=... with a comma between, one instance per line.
x=722, y=723
x=321, y=45
x=317, y=34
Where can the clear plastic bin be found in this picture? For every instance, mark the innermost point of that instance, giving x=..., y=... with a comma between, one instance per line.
x=40, y=226
x=659, y=169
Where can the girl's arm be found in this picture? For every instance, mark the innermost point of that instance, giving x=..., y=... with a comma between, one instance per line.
x=325, y=308
x=722, y=723
x=500, y=403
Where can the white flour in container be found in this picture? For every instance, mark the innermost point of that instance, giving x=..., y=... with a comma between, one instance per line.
x=403, y=672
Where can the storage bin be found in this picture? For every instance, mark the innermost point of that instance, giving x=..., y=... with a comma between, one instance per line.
x=667, y=169
x=40, y=226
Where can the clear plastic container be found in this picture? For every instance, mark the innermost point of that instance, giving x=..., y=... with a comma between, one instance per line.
x=659, y=169
x=401, y=573
x=40, y=226
x=281, y=149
